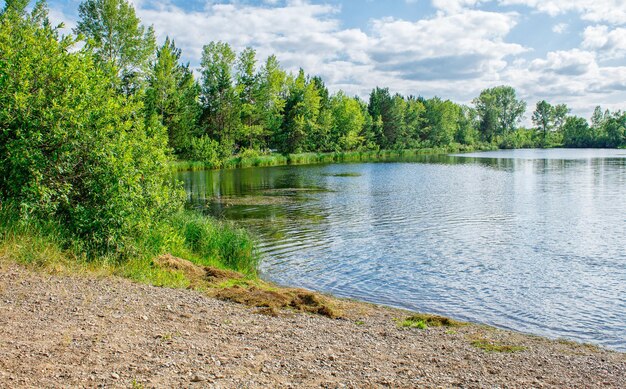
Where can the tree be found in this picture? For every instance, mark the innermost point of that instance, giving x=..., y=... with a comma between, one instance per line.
x=468, y=126
x=272, y=97
x=301, y=112
x=615, y=129
x=576, y=132
x=221, y=115
x=389, y=112
x=72, y=149
x=117, y=38
x=499, y=111
x=414, y=123
x=172, y=95
x=248, y=91
x=442, y=121
x=560, y=115
x=543, y=117
x=348, y=121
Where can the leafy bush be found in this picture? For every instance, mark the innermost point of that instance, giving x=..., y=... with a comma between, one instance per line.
x=71, y=147
x=207, y=151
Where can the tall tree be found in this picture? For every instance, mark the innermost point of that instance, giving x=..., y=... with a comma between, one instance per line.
x=220, y=115
x=442, y=121
x=499, y=111
x=576, y=132
x=272, y=97
x=301, y=112
x=348, y=121
x=248, y=91
x=72, y=149
x=118, y=39
x=543, y=117
x=172, y=96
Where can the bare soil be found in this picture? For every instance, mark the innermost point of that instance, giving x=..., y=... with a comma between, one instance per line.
x=83, y=331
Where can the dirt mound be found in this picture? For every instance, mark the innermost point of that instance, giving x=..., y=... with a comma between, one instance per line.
x=298, y=299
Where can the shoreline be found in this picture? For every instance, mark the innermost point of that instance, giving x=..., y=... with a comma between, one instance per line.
x=312, y=158
x=74, y=330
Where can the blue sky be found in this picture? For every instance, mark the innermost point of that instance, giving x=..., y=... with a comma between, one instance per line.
x=564, y=51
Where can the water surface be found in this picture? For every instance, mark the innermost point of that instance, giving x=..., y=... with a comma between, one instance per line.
x=532, y=240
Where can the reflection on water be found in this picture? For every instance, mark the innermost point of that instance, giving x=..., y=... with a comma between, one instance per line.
x=527, y=239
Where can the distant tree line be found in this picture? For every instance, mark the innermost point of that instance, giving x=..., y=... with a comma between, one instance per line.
x=239, y=105
x=86, y=130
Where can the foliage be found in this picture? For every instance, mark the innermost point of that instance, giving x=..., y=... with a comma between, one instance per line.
x=116, y=37
x=71, y=147
x=499, y=111
x=172, y=96
x=207, y=151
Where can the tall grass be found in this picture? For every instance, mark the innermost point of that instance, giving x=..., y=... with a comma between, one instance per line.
x=187, y=234
x=334, y=157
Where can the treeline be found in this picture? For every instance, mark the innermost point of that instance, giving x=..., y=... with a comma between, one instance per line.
x=89, y=121
x=240, y=105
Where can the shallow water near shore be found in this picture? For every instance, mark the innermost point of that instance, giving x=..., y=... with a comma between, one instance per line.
x=531, y=240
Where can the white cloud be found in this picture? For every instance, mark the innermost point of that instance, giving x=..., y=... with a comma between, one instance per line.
x=609, y=44
x=609, y=11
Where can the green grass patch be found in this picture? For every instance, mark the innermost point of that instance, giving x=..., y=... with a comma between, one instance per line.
x=206, y=242
x=423, y=321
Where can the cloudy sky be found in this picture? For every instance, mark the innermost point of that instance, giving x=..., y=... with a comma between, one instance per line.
x=564, y=51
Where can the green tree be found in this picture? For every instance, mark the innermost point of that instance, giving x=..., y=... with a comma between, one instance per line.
x=221, y=115
x=301, y=113
x=348, y=121
x=115, y=34
x=468, y=126
x=414, y=122
x=172, y=95
x=442, y=121
x=248, y=91
x=615, y=129
x=272, y=97
x=72, y=149
x=499, y=111
x=576, y=132
x=544, y=117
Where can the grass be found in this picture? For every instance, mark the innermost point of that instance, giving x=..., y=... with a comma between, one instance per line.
x=186, y=250
x=423, y=321
x=202, y=241
x=496, y=347
x=276, y=159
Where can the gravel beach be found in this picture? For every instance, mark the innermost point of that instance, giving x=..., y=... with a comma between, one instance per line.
x=84, y=331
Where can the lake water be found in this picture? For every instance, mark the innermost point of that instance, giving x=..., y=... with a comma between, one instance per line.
x=532, y=240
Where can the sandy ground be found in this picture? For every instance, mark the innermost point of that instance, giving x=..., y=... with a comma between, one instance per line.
x=59, y=331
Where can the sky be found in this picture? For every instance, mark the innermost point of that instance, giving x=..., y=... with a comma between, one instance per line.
x=563, y=51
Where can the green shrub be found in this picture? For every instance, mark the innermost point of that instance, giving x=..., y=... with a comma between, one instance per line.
x=207, y=151
x=73, y=149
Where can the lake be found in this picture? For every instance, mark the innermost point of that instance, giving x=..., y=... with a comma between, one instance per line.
x=530, y=240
